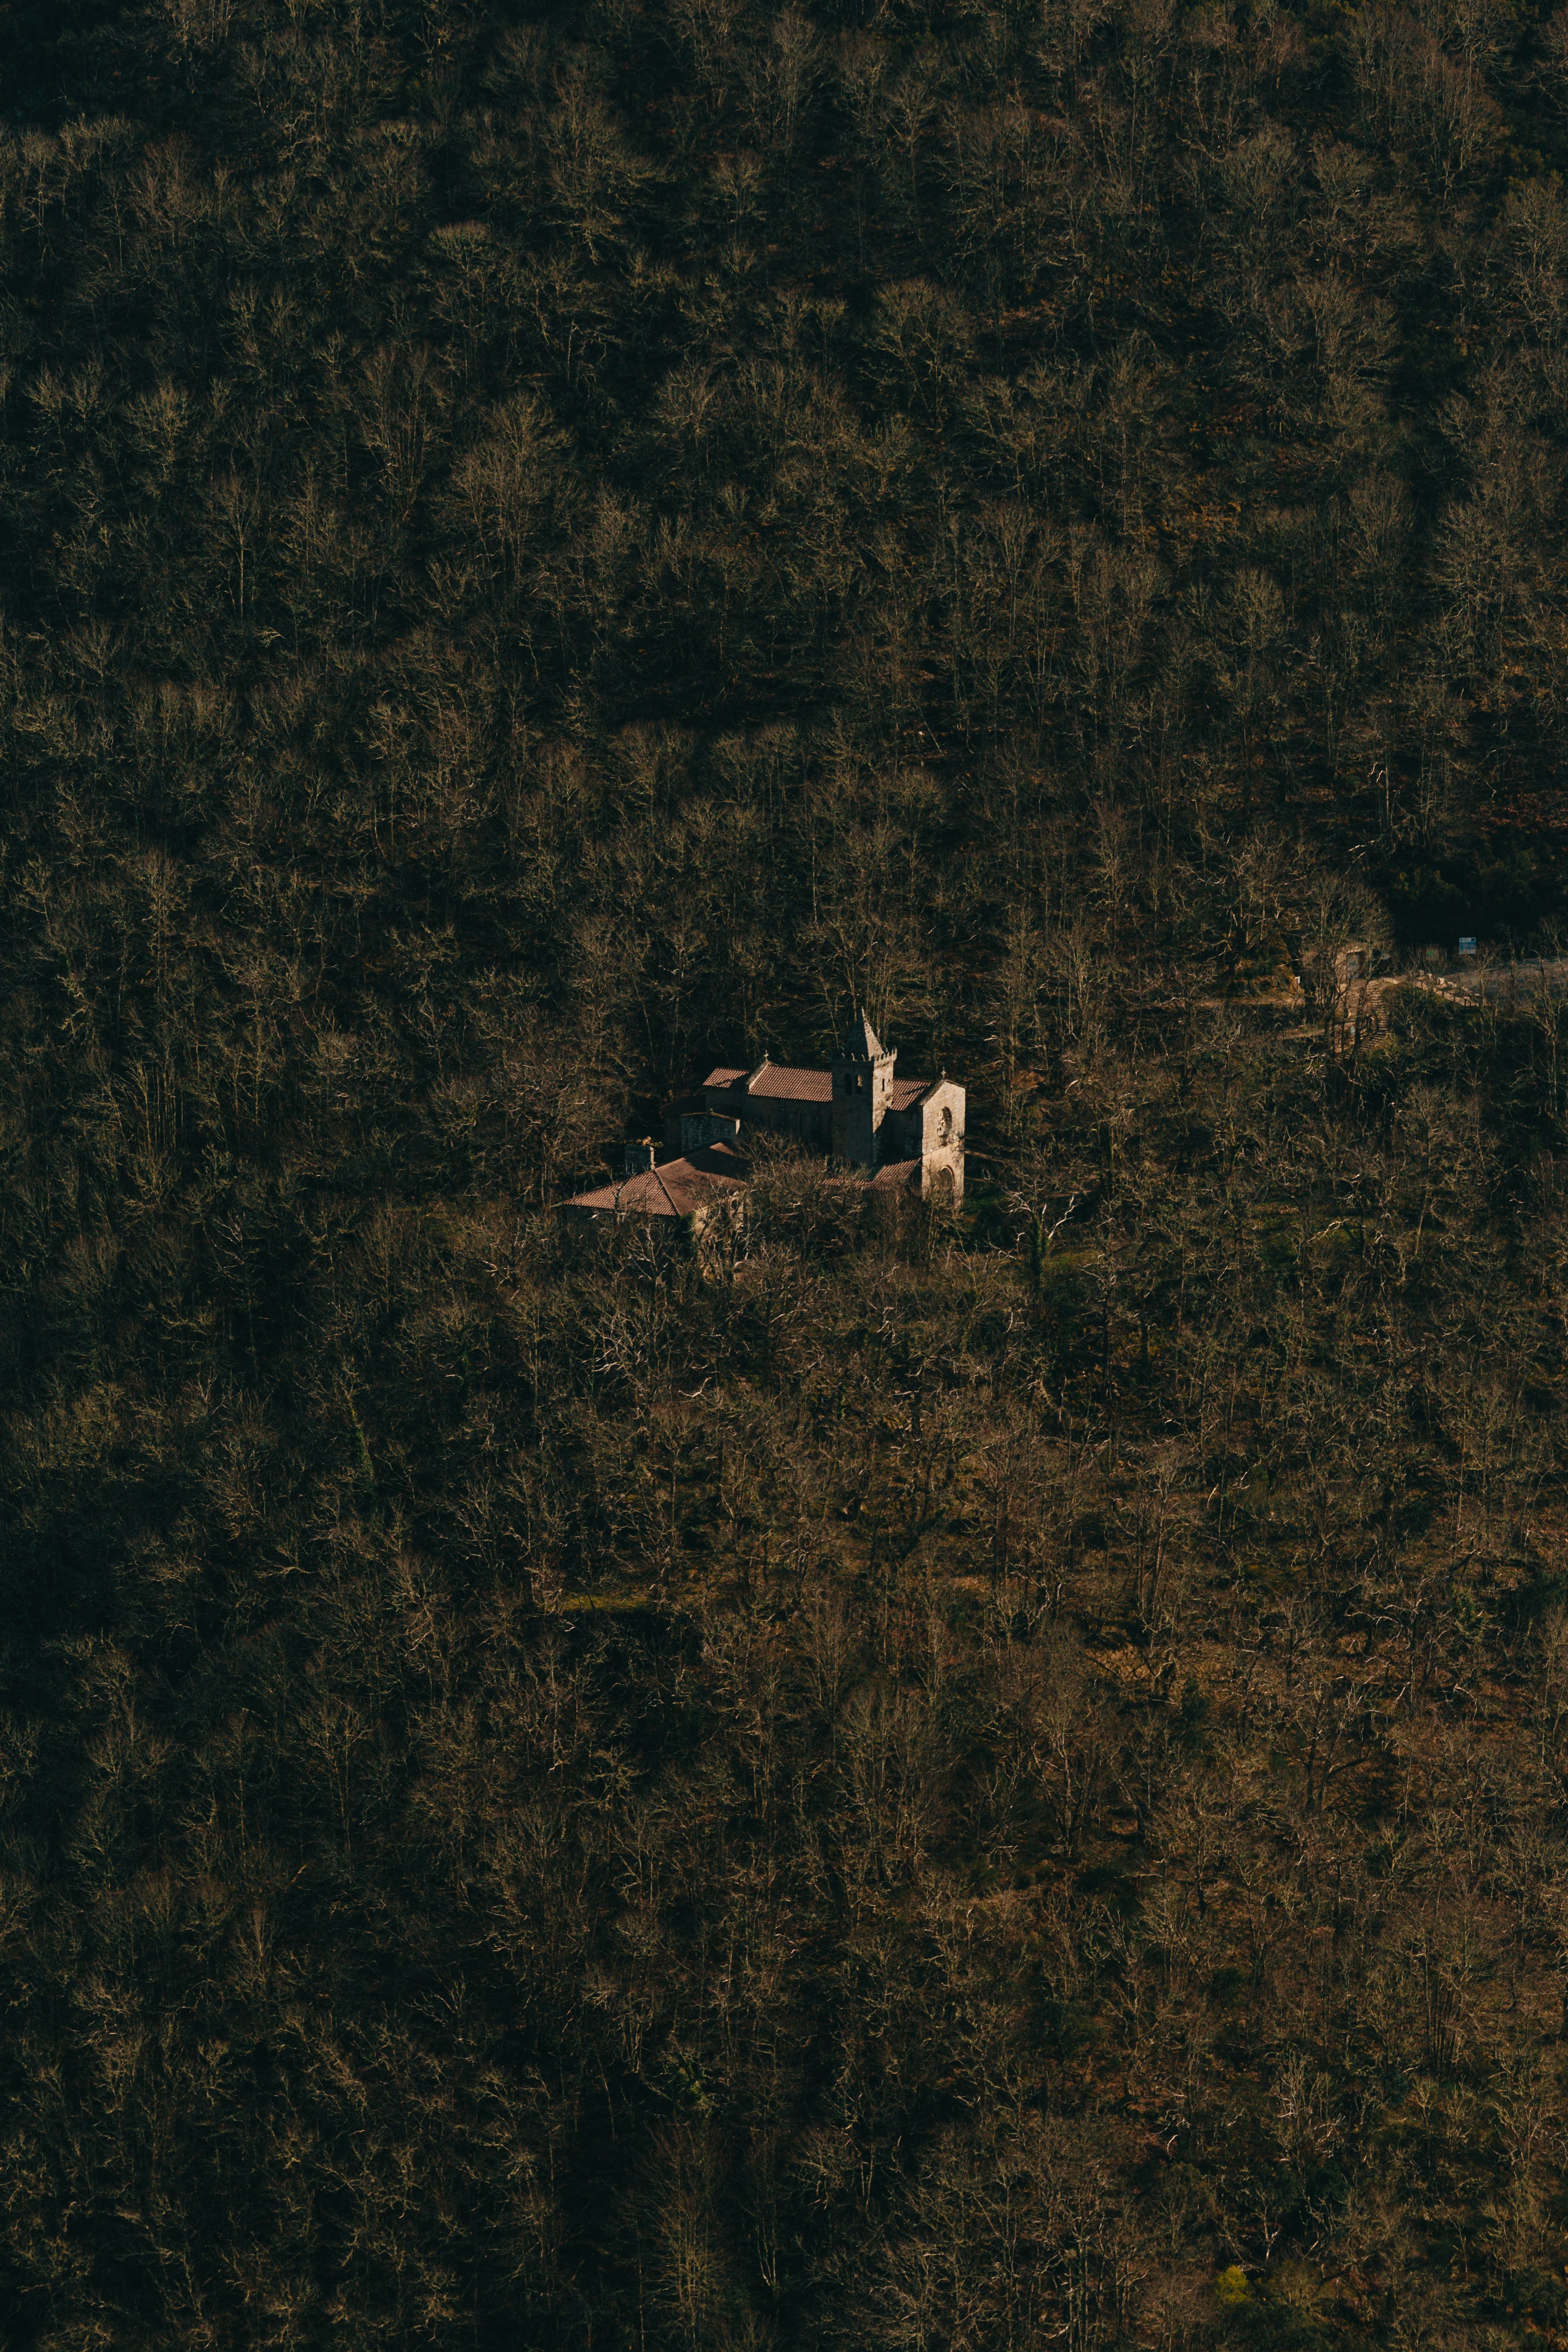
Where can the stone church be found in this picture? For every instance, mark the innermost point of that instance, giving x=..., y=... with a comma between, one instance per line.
x=894, y=1134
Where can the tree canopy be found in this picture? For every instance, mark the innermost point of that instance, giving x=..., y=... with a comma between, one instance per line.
x=948, y=1783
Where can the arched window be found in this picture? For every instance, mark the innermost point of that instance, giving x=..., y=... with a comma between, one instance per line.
x=944, y=1132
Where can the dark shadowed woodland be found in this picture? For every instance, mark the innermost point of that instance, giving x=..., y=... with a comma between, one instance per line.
x=982, y=1783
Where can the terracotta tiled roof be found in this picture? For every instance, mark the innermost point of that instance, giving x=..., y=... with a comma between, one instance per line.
x=673, y=1188
x=894, y=1175
x=776, y=1082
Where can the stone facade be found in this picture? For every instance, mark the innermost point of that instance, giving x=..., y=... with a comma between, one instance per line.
x=893, y=1134
x=858, y=1112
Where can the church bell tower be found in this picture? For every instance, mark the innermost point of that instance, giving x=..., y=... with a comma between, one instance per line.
x=862, y=1091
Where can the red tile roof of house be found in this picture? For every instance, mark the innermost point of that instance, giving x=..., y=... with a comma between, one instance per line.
x=776, y=1082
x=672, y=1189
x=894, y=1175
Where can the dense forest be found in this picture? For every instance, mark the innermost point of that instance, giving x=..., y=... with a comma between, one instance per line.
x=961, y=1783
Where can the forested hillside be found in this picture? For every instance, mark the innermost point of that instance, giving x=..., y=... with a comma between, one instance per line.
x=982, y=1783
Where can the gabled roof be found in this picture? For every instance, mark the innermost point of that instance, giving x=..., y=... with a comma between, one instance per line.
x=672, y=1189
x=894, y=1175
x=776, y=1082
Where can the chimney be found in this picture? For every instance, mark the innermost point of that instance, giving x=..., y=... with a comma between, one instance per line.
x=638, y=1155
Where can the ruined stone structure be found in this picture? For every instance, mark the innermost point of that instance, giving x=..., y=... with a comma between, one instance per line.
x=893, y=1134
